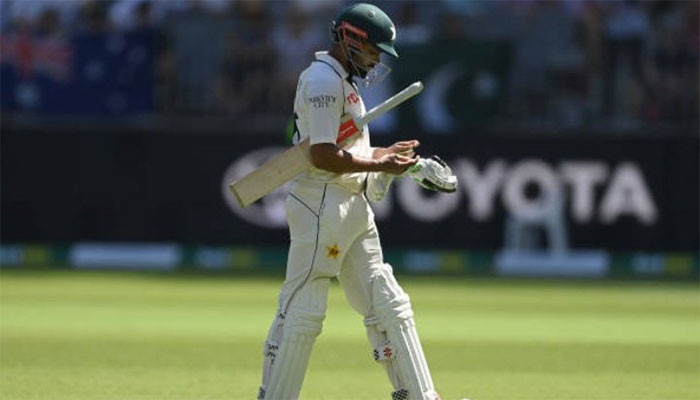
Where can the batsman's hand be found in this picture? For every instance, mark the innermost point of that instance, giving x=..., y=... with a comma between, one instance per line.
x=396, y=164
x=404, y=147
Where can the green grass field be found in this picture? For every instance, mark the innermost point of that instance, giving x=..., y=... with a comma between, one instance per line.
x=109, y=335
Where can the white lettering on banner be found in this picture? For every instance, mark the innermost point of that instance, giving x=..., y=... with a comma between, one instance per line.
x=536, y=172
x=480, y=190
x=583, y=176
x=628, y=194
x=422, y=205
x=598, y=191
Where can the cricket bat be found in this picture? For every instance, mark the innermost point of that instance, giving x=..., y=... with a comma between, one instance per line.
x=284, y=166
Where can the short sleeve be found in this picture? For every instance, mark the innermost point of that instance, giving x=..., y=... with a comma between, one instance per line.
x=324, y=101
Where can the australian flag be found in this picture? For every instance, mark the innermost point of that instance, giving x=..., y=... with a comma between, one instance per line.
x=90, y=74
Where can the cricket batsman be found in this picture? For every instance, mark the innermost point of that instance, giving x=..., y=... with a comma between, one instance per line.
x=332, y=228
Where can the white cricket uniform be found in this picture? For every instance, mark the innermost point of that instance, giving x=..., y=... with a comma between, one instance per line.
x=333, y=201
x=333, y=234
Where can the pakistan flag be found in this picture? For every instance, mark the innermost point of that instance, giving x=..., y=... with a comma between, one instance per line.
x=465, y=83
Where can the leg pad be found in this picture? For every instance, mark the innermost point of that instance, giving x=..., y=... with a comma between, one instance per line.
x=393, y=335
x=292, y=357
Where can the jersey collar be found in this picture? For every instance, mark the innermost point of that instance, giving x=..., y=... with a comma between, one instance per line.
x=324, y=56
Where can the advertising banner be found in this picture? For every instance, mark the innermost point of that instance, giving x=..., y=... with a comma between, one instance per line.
x=593, y=192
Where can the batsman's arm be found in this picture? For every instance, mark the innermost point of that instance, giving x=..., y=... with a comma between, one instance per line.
x=284, y=166
x=329, y=157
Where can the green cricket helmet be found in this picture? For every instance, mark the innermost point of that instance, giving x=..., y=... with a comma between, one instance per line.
x=368, y=22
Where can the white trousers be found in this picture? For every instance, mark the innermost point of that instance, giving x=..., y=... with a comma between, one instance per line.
x=333, y=234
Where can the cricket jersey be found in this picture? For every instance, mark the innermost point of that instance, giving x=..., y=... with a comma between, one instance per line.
x=326, y=98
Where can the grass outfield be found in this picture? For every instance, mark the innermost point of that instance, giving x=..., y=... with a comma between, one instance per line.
x=108, y=335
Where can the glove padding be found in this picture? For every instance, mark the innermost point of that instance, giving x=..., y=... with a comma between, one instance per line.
x=433, y=174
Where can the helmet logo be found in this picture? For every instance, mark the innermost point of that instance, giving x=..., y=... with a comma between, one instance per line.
x=371, y=13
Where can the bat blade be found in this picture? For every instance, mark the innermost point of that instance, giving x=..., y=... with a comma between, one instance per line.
x=272, y=174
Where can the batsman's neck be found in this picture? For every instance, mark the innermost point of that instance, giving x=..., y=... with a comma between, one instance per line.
x=337, y=52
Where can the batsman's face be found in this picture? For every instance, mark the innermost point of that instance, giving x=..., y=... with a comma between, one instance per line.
x=366, y=63
x=369, y=56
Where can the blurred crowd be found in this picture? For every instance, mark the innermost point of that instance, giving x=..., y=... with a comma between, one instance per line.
x=575, y=62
